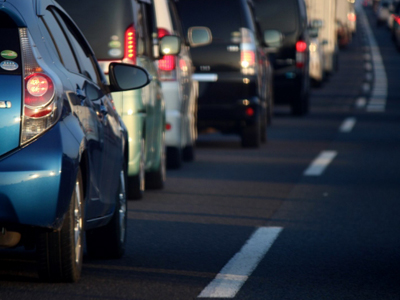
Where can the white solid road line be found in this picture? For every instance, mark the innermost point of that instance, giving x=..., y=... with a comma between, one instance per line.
x=348, y=124
x=319, y=164
x=235, y=273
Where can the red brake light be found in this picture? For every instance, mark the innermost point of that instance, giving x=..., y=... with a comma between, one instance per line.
x=397, y=19
x=249, y=111
x=167, y=63
x=39, y=91
x=248, y=58
x=162, y=32
x=301, y=46
x=351, y=17
x=130, y=45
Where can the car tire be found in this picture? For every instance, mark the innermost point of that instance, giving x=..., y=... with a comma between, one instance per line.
x=174, y=158
x=109, y=241
x=60, y=253
x=251, y=135
x=188, y=153
x=155, y=180
x=136, y=184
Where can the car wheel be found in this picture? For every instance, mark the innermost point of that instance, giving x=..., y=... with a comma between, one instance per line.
x=251, y=135
x=109, y=241
x=174, y=158
x=135, y=184
x=188, y=153
x=60, y=254
x=156, y=179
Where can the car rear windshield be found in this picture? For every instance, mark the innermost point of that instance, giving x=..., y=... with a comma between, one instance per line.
x=281, y=15
x=103, y=23
x=223, y=17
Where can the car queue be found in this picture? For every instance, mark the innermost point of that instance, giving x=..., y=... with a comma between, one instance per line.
x=98, y=98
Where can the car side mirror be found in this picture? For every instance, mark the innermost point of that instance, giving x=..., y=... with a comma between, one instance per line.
x=273, y=39
x=124, y=77
x=170, y=45
x=199, y=36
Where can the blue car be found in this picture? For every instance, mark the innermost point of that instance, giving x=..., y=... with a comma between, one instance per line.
x=63, y=147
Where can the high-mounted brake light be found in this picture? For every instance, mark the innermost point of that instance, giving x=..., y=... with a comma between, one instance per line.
x=167, y=64
x=130, y=46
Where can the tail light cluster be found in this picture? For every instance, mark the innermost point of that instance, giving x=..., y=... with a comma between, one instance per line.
x=41, y=106
x=130, y=53
x=301, y=54
x=247, y=52
x=166, y=65
x=396, y=19
x=351, y=17
x=130, y=50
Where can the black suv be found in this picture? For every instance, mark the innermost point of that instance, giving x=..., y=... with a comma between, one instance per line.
x=291, y=62
x=233, y=71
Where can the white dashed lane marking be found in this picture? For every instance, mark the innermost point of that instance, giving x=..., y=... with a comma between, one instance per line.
x=378, y=97
x=319, y=164
x=348, y=124
x=361, y=102
x=235, y=273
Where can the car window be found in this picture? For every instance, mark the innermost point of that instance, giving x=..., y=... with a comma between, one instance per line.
x=223, y=17
x=281, y=15
x=60, y=41
x=81, y=49
x=106, y=32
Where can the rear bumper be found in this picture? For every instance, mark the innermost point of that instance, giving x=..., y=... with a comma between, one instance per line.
x=173, y=113
x=229, y=118
x=288, y=84
x=224, y=99
x=36, y=182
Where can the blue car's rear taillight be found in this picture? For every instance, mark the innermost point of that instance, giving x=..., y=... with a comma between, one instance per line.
x=41, y=104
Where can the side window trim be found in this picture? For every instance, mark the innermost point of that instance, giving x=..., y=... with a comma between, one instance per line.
x=49, y=9
x=78, y=37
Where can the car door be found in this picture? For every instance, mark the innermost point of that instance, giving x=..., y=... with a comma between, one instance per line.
x=152, y=94
x=94, y=109
x=184, y=63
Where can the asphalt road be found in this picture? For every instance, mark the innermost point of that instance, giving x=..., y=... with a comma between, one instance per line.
x=255, y=217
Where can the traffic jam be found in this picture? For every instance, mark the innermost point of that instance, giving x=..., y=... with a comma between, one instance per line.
x=184, y=149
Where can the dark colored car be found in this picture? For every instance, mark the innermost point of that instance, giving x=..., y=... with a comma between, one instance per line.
x=233, y=71
x=64, y=148
x=291, y=62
